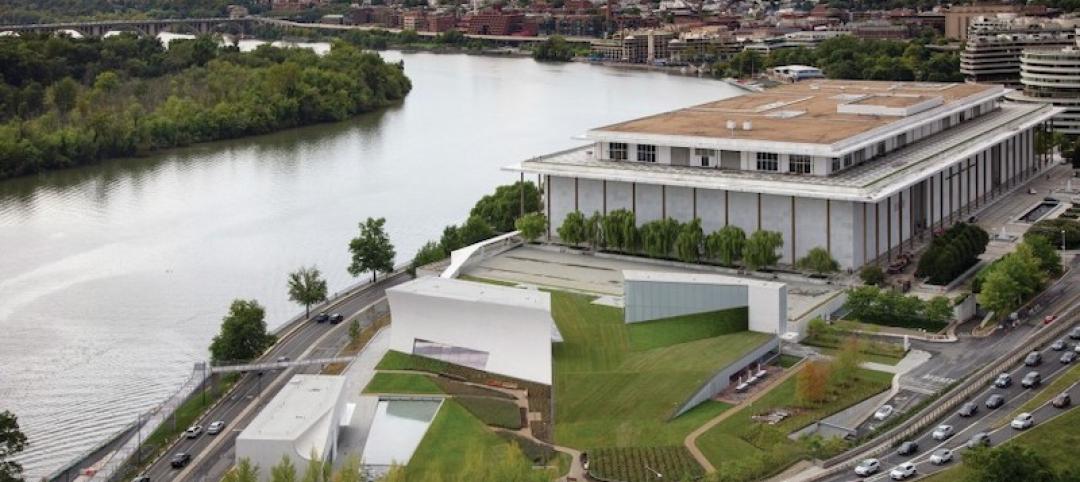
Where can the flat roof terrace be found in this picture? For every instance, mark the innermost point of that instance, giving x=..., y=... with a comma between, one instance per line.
x=805, y=112
x=871, y=181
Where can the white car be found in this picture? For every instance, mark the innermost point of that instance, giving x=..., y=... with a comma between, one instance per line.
x=883, y=412
x=193, y=431
x=1022, y=421
x=941, y=457
x=867, y=467
x=215, y=428
x=903, y=471
x=943, y=432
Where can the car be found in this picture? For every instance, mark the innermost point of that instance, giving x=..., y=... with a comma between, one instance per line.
x=215, y=428
x=1003, y=380
x=1031, y=380
x=282, y=359
x=1077, y=348
x=868, y=467
x=1033, y=359
x=943, y=432
x=981, y=439
x=1059, y=345
x=883, y=412
x=141, y=478
x=1022, y=421
x=1049, y=319
x=968, y=409
x=1067, y=357
x=1063, y=400
x=941, y=457
x=907, y=448
x=180, y=460
x=1075, y=333
x=193, y=431
x=336, y=318
x=995, y=401
x=321, y=317
x=902, y=471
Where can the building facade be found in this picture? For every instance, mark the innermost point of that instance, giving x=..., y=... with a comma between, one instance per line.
x=1053, y=76
x=862, y=169
x=992, y=51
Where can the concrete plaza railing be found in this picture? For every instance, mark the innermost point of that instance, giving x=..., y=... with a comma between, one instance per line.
x=474, y=253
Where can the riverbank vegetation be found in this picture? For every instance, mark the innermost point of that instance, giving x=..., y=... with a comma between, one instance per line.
x=67, y=102
x=12, y=442
x=47, y=11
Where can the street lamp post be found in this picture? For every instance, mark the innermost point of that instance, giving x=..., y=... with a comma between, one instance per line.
x=1063, y=240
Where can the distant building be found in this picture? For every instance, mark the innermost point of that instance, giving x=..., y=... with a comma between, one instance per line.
x=494, y=23
x=1052, y=76
x=959, y=17
x=992, y=51
x=289, y=5
x=333, y=19
x=795, y=73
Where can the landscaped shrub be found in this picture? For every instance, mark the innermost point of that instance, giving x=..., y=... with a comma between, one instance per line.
x=952, y=253
x=818, y=261
x=539, y=454
x=493, y=411
x=871, y=304
x=658, y=237
x=641, y=464
x=500, y=209
x=872, y=274
x=1051, y=230
x=461, y=389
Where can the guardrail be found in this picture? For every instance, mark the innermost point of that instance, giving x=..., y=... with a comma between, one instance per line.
x=278, y=364
x=473, y=253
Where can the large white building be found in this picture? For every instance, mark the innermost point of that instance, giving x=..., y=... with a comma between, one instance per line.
x=301, y=422
x=1052, y=75
x=859, y=168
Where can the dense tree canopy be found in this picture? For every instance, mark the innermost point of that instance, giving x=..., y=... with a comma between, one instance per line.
x=67, y=102
x=506, y=204
x=243, y=335
x=952, y=253
x=44, y=11
x=371, y=251
x=12, y=442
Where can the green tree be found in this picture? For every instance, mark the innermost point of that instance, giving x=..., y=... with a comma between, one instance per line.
x=1046, y=253
x=819, y=261
x=476, y=229
x=12, y=442
x=1007, y=463
x=451, y=239
x=845, y=364
x=354, y=330
x=429, y=253
x=573, y=230
x=658, y=237
x=938, y=310
x=317, y=470
x=872, y=274
x=243, y=336
x=1011, y=280
x=372, y=250
x=594, y=230
x=63, y=95
x=307, y=287
x=531, y=225
x=243, y=472
x=107, y=81
x=620, y=230
x=760, y=250
x=1051, y=229
x=554, y=48
x=501, y=208
x=688, y=242
x=284, y=471
x=726, y=245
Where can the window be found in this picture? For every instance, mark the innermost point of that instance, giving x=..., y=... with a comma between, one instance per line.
x=705, y=156
x=452, y=354
x=847, y=160
x=646, y=153
x=880, y=149
x=835, y=164
x=768, y=161
x=618, y=151
x=800, y=164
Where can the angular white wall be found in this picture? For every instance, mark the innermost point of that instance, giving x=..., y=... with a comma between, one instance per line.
x=651, y=295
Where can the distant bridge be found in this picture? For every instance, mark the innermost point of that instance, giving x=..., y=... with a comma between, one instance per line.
x=278, y=365
x=144, y=27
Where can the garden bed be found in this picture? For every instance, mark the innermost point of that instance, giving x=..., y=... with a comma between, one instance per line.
x=642, y=464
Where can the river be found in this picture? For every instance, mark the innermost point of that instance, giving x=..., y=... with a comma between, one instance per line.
x=114, y=278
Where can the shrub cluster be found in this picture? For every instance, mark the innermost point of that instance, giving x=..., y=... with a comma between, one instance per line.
x=952, y=253
x=871, y=304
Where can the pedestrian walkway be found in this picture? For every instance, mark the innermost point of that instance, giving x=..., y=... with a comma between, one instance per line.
x=358, y=374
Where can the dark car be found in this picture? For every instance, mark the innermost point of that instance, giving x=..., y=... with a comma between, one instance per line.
x=1059, y=345
x=908, y=448
x=995, y=401
x=321, y=317
x=180, y=460
x=981, y=439
x=1033, y=359
x=968, y=409
x=336, y=318
x=1063, y=400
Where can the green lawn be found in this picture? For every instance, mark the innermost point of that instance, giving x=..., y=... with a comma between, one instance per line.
x=607, y=394
x=740, y=445
x=870, y=357
x=496, y=412
x=410, y=383
x=681, y=329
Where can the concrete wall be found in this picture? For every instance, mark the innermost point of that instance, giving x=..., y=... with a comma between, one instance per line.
x=721, y=379
x=684, y=294
x=516, y=338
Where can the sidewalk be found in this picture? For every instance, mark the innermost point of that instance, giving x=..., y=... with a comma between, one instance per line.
x=358, y=374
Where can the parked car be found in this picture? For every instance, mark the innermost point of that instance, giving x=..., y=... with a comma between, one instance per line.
x=193, y=431
x=868, y=467
x=1003, y=380
x=180, y=460
x=336, y=318
x=1075, y=333
x=981, y=439
x=941, y=457
x=1022, y=421
x=1033, y=359
x=1063, y=400
x=215, y=428
x=968, y=409
x=943, y=432
x=907, y=448
x=995, y=401
x=321, y=317
x=1067, y=357
x=883, y=412
x=1059, y=345
x=1031, y=380
x=902, y=471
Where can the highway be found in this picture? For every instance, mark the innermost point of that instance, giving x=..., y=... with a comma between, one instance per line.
x=212, y=454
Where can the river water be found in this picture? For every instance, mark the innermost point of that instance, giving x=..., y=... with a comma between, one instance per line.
x=114, y=278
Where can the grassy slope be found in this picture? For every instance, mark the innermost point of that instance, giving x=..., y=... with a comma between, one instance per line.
x=681, y=329
x=606, y=394
x=402, y=383
x=737, y=437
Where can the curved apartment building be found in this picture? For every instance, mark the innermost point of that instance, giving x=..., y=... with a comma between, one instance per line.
x=1053, y=76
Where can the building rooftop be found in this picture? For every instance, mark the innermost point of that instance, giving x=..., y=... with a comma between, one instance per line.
x=697, y=278
x=820, y=118
x=477, y=292
x=301, y=413
x=871, y=181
